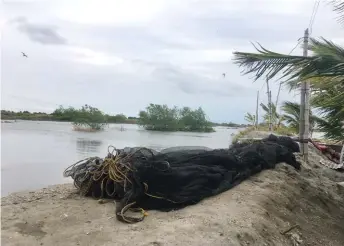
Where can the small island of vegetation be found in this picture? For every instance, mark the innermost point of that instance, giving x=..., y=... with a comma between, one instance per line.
x=87, y=118
x=162, y=118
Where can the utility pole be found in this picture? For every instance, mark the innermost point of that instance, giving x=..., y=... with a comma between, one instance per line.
x=279, y=90
x=304, y=108
x=257, y=110
x=341, y=159
x=270, y=100
x=269, y=103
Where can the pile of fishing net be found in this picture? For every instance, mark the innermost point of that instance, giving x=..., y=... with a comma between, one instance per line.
x=140, y=179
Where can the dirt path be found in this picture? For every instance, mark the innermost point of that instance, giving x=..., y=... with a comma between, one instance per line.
x=257, y=212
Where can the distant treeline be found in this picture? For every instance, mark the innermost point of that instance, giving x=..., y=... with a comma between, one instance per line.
x=191, y=118
x=231, y=124
x=67, y=115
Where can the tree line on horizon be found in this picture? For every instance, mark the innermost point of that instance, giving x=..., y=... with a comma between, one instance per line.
x=155, y=117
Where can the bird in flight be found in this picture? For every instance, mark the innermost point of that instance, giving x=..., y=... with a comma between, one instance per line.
x=24, y=54
x=224, y=75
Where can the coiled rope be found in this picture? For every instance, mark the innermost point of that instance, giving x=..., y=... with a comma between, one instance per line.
x=115, y=171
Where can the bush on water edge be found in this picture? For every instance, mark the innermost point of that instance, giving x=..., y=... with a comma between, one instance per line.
x=162, y=118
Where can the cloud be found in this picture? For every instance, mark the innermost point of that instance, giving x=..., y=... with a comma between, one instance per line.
x=89, y=56
x=43, y=34
x=193, y=84
x=120, y=55
x=110, y=12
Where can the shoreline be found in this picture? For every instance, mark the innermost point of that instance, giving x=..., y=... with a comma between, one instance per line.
x=260, y=209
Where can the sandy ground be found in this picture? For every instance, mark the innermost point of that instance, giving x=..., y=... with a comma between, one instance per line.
x=260, y=211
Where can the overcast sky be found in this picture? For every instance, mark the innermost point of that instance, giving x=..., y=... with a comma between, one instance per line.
x=121, y=55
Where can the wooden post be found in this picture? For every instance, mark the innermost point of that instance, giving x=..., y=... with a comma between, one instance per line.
x=279, y=90
x=341, y=160
x=257, y=110
x=304, y=107
x=269, y=104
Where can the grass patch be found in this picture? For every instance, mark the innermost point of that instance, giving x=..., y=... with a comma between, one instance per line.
x=242, y=134
x=284, y=131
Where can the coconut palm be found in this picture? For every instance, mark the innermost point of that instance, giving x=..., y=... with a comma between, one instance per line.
x=291, y=116
x=250, y=118
x=276, y=119
x=332, y=112
x=324, y=70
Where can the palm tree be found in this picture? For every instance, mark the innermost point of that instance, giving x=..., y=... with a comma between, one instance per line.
x=276, y=119
x=332, y=112
x=250, y=118
x=292, y=116
x=324, y=70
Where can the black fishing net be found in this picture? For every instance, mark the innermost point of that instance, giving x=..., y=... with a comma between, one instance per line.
x=141, y=178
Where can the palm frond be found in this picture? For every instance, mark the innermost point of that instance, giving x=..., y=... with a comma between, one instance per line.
x=292, y=84
x=338, y=6
x=292, y=115
x=250, y=118
x=327, y=61
x=269, y=63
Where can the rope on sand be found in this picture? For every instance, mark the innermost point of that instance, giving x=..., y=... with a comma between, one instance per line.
x=115, y=175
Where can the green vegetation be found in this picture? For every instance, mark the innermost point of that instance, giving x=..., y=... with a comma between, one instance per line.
x=292, y=116
x=62, y=114
x=250, y=118
x=324, y=70
x=276, y=118
x=242, y=134
x=25, y=115
x=282, y=130
x=166, y=119
x=90, y=118
x=162, y=118
x=230, y=124
x=87, y=118
x=332, y=112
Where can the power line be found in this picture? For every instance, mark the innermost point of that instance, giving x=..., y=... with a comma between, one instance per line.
x=298, y=43
x=313, y=15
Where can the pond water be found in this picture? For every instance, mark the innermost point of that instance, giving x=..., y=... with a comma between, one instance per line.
x=35, y=154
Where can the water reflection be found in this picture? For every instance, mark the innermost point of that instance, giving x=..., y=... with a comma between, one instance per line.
x=87, y=146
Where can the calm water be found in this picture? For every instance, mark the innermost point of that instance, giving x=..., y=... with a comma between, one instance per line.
x=34, y=154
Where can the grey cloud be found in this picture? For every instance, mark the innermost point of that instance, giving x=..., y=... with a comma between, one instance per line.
x=39, y=33
x=161, y=59
x=234, y=29
x=194, y=84
x=134, y=41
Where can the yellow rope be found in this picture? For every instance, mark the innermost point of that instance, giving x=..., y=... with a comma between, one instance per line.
x=131, y=219
x=116, y=167
x=157, y=197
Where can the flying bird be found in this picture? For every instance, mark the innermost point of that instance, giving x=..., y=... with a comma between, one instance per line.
x=24, y=55
x=224, y=75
